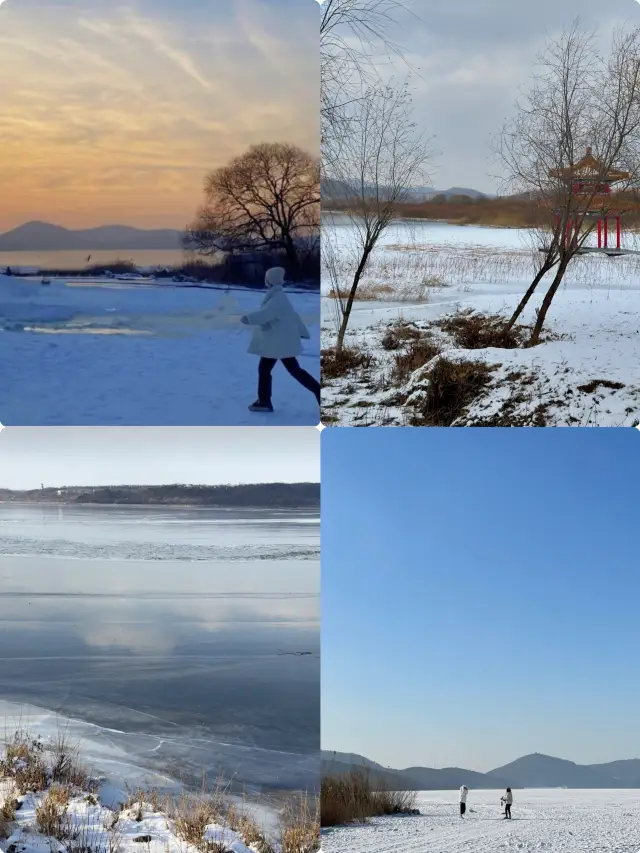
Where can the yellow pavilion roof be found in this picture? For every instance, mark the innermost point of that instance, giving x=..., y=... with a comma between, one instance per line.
x=590, y=168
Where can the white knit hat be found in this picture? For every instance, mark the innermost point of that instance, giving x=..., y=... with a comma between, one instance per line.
x=274, y=277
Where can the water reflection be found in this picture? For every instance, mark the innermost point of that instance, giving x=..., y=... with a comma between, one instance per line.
x=201, y=656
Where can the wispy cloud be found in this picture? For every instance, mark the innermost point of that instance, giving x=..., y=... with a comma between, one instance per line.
x=116, y=112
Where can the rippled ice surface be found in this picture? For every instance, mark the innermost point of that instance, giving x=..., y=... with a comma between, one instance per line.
x=185, y=640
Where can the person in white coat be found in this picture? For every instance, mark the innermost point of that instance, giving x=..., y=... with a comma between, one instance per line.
x=463, y=800
x=507, y=800
x=277, y=334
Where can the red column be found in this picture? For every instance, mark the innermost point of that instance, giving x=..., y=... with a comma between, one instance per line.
x=599, y=234
x=617, y=232
x=606, y=233
x=568, y=234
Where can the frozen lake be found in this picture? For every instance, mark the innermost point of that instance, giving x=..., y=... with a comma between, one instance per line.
x=168, y=634
x=107, y=353
x=554, y=821
x=72, y=260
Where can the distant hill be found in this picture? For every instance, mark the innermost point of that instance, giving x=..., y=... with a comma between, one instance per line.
x=544, y=771
x=337, y=190
x=530, y=771
x=263, y=495
x=44, y=237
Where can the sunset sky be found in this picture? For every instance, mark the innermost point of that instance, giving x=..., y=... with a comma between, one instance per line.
x=113, y=112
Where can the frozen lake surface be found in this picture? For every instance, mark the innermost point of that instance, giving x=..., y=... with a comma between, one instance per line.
x=554, y=821
x=586, y=374
x=113, y=353
x=170, y=636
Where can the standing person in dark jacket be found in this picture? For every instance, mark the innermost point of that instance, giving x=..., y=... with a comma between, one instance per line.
x=507, y=799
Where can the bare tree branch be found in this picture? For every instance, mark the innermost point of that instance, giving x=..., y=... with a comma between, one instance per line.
x=381, y=158
x=578, y=102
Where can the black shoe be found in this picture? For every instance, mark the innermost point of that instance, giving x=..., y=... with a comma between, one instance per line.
x=260, y=407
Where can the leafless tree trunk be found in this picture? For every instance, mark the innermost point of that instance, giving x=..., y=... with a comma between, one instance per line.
x=382, y=157
x=578, y=101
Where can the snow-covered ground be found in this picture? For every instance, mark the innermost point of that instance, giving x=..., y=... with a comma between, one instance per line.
x=589, y=377
x=553, y=821
x=106, y=760
x=102, y=352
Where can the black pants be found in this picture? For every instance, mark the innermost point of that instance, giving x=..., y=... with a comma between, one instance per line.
x=463, y=808
x=507, y=810
x=291, y=364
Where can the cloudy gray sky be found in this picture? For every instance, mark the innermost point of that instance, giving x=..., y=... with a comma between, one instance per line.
x=472, y=57
x=85, y=456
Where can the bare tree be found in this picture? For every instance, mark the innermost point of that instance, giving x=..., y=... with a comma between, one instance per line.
x=382, y=158
x=356, y=40
x=266, y=199
x=579, y=102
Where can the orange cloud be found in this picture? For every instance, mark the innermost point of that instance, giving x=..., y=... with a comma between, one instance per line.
x=114, y=113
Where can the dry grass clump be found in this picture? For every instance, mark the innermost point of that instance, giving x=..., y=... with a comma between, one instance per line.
x=137, y=799
x=349, y=360
x=301, y=825
x=398, y=334
x=350, y=797
x=471, y=330
x=24, y=763
x=66, y=768
x=452, y=387
x=52, y=819
x=192, y=815
x=7, y=816
x=366, y=292
x=418, y=353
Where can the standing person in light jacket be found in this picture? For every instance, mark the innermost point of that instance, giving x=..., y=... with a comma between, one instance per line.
x=507, y=799
x=463, y=800
x=277, y=335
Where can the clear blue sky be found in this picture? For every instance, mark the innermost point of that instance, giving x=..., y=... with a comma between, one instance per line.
x=481, y=594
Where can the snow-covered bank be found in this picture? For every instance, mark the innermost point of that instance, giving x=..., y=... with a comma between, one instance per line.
x=586, y=374
x=105, y=353
x=556, y=821
x=61, y=793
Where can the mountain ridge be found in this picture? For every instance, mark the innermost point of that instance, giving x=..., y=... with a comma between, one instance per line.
x=36, y=236
x=535, y=770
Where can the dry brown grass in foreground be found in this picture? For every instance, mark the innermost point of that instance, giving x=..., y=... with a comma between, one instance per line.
x=451, y=387
x=24, y=763
x=7, y=816
x=350, y=797
x=301, y=825
x=350, y=360
x=471, y=330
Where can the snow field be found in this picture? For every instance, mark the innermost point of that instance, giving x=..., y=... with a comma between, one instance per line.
x=105, y=353
x=544, y=821
x=588, y=377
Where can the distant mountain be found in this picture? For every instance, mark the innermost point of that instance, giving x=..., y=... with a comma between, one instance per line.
x=408, y=779
x=44, y=237
x=544, y=771
x=267, y=495
x=337, y=190
x=626, y=772
x=530, y=771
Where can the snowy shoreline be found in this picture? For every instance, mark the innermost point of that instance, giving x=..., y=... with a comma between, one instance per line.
x=115, y=778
